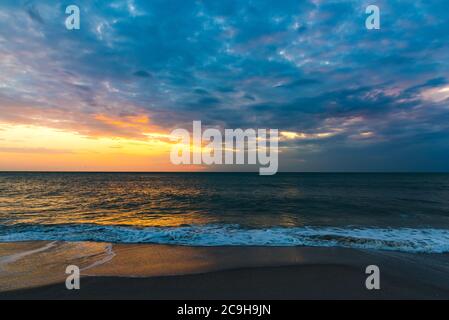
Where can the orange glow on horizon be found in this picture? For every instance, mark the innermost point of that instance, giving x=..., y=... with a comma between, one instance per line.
x=138, y=122
x=38, y=148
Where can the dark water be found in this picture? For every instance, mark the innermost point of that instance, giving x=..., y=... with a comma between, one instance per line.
x=407, y=212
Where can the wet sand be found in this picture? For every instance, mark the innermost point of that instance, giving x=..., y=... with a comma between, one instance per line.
x=36, y=270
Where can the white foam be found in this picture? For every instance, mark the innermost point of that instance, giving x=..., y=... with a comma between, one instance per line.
x=395, y=239
x=15, y=257
x=109, y=255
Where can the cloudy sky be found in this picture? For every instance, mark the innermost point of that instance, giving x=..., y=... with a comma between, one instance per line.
x=107, y=96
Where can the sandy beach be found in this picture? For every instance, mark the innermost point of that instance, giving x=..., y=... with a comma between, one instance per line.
x=36, y=270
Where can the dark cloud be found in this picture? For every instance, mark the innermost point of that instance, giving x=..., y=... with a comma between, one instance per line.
x=309, y=67
x=142, y=74
x=34, y=14
x=201, y=91
x=299, y=83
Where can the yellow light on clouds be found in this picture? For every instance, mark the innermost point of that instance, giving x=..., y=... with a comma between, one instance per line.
x=27, y=147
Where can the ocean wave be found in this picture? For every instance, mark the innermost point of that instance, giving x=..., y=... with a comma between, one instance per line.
x=393, y=239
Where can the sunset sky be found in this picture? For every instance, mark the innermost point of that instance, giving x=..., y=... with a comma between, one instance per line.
x=107, y=96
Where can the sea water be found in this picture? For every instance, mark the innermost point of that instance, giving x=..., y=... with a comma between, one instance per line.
x=391, y=211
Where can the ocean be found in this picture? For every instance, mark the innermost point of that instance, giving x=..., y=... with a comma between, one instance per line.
x=391, y=211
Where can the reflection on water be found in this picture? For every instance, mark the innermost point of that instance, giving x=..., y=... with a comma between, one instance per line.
x=175, y=199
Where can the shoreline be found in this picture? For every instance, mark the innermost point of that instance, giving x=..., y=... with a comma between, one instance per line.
x=308, y=282
x=143, y=271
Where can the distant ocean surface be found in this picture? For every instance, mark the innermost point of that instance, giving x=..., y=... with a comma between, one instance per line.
x=399, y=212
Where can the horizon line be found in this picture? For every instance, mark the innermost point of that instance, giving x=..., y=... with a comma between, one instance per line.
x=228, y=172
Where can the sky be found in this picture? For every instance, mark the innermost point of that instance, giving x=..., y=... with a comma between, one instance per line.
x=107, y=96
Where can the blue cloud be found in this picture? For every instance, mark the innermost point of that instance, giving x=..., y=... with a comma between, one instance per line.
x=303, y=66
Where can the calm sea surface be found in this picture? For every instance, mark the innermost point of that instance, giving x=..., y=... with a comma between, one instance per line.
x=401, y=212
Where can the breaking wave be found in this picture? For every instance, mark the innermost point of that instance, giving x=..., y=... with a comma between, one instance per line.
x=393, y=239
